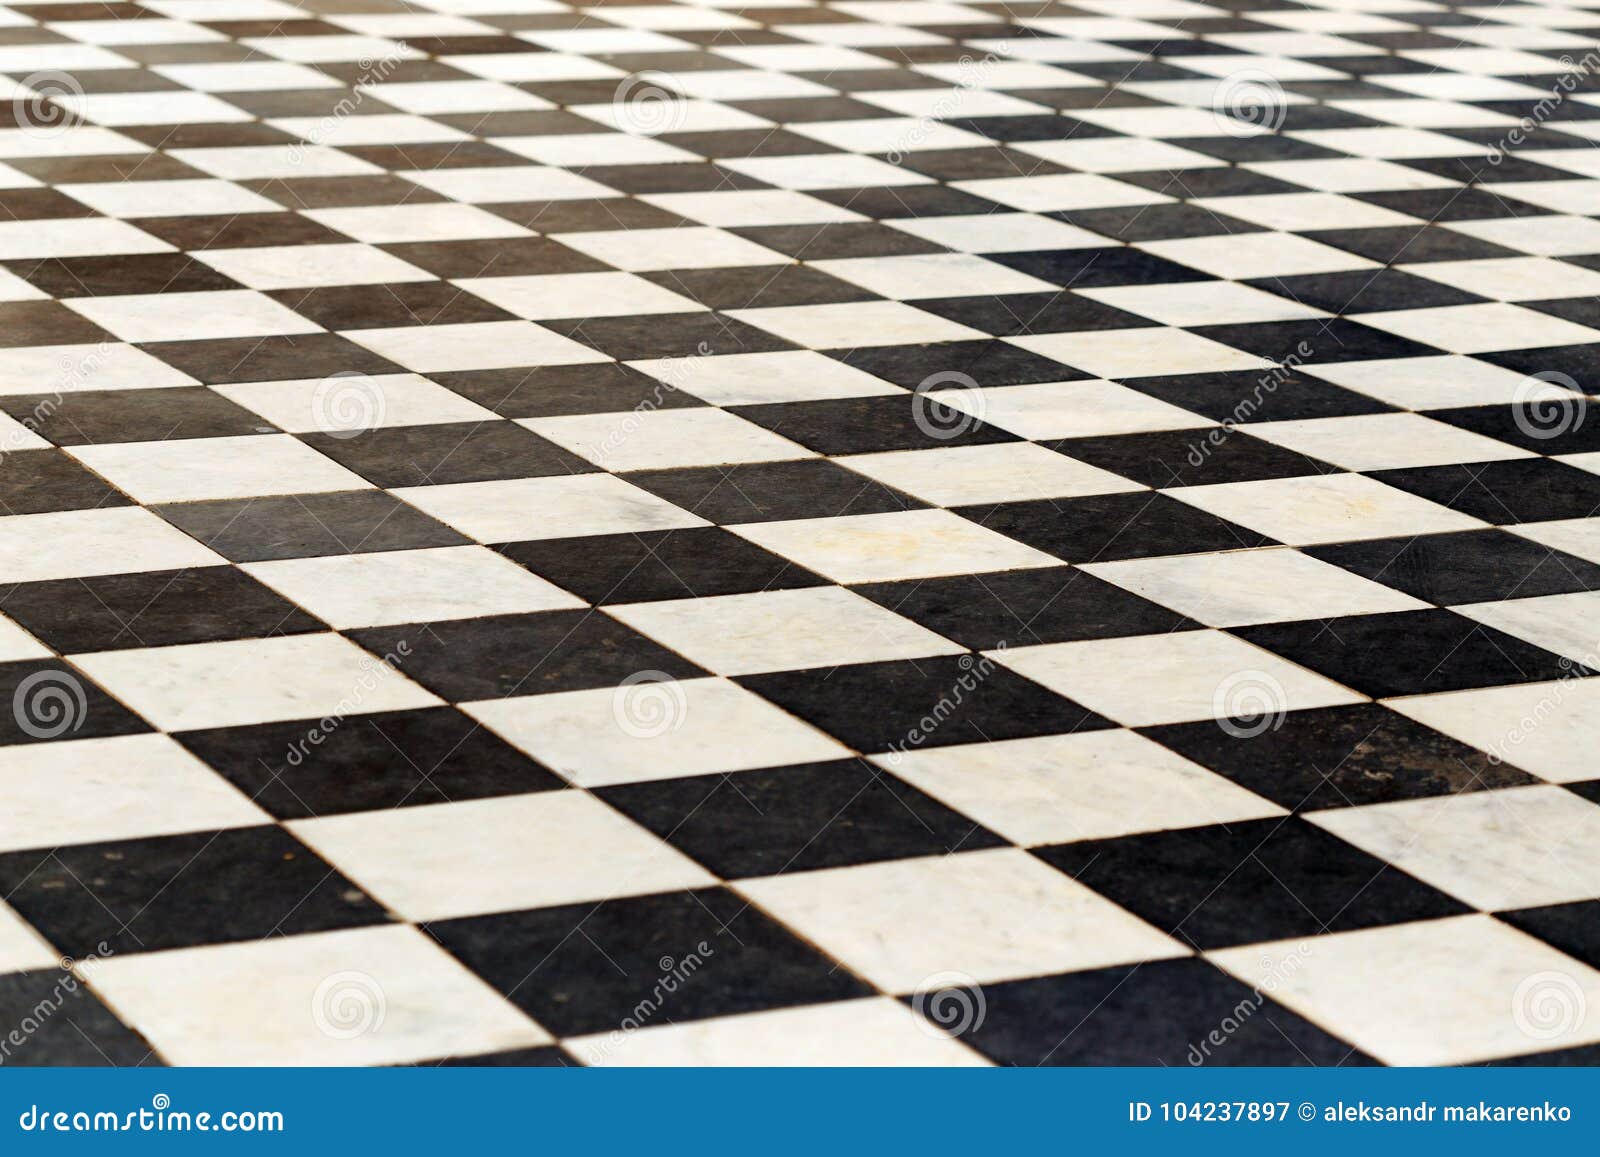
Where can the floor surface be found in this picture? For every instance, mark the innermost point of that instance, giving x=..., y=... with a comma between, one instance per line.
x=877, y=531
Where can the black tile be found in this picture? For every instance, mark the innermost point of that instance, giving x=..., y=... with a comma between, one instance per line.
x=42, y=481
x=308, y=525
x=499, y=655
x=54, y=1019
x=1272, y=879
x=666, y=958
x=1015, y=314
x=45, y=699
x=1519, y=490
x=1023, y=607
x=1472, y=566
x=1199, y=457
x=772, y=491
x=152, y=609
x=659, y=564
x=1443, y=651
x=908, y=705
x=1572, y=928
x=548, y=391
x=1162, y=1013
x=179, y=891
x=673, y=335
x=1365, y=291
x=1103, y=527
x=436, y=455
x=989, y=363
x=101, y=416
x=1339, y=757
x=1552, y=424
x=1093, y=268
x=1331, y=340
x=356, y=307
x=1278, y=395
x=868, y=425
x=795, y=819
x=304, y=768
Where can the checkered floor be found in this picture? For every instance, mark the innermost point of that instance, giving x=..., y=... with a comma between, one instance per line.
x=877, y=531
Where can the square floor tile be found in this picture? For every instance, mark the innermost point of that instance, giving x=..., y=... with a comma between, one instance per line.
x=531, y=508
x=252, y=681
x=1430, y=993
x=1002, y=915
x=650, y=727
x=747, y=634
x=460, y=859
x=582, y=968
x=190, y=469
x=1253, y=880
x=1061, y=788
x=1333, y=508
x=410, y=1000
x=1150, y=679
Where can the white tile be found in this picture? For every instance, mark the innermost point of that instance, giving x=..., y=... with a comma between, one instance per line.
x=782, y=630
x=22, y=949
x=159, y=317
x=410, y=586
x=931, y=275
x=248, y=162
x=1244, y=255
x=1175, y=678
x=1060, y=191
x=362, y=996
x=231, y=683
x=352, y=403
x=80, y=543
x=245, y=76
x=1471, y=329
x=438, y=861
x=825, y=171
x=1145, y=352
x=993, y=915
x=1579, y=536
x=1553, y=236
x=486, y=345
x=1238, y=588
x=428, y=98
x=908, y=544
x=507, y=184
x=382, y=129
x=1435, y=992
x=557, y=295
x=309, y=266
x=1006, y=472
x=1068, y=409
x=653, y=728
x=752, y=379
x=1548, y=729
x=1426, y=383
x=874, y=1031
x=1064, y=788
x=169, y=198
x=1324, y=508
x=557, y=507
x=81, y=791
x=662, y=439
x=1512, y=278
x=864, y=323
x=1384, y=441
x=997, y=232
x=686, y=247
x=1567, y=624
x=1517, y=847
x=74, y=237
x=191, y=469
x=395, y=224
x=1206, y=303
x=16, y=643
